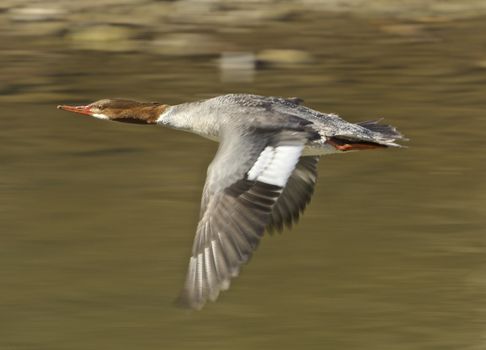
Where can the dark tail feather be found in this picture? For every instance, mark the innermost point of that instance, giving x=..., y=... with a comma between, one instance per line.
x=384, y=129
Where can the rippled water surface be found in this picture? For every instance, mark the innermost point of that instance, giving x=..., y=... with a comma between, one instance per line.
x=97, y=219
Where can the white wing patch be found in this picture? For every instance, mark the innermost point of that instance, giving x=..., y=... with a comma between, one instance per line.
x=275, y=164
x=262, y=162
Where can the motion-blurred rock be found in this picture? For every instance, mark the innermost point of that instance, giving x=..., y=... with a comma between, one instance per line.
x=187, y=44
x=33, y=14
x=403, y=29
x=237, y=66
x=284, y=57
x=104, y=37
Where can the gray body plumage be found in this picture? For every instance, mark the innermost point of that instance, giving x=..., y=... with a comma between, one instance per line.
x=262, y=176
x=207, y=117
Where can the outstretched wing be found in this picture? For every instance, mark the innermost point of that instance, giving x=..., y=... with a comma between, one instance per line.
x=244, y=181
x=296, y=195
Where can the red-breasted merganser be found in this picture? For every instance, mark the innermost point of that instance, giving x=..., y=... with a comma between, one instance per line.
x=262, y=176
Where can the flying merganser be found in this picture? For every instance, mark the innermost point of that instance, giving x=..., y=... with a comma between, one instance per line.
x=262, y=176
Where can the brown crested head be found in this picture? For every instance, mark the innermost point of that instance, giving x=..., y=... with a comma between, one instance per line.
x=120, y=110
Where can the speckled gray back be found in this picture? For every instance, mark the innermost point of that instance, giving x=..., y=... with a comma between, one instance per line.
x=206, y=118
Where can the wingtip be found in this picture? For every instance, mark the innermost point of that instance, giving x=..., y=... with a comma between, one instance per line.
x=184, y=301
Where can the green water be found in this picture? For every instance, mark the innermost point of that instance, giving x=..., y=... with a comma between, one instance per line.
x=97, y=219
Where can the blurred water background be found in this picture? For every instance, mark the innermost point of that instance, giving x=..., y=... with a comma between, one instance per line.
x=97, y=219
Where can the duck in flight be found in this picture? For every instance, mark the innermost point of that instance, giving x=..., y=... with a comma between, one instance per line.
x=261, y=178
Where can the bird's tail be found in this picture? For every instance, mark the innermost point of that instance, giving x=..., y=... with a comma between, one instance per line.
x=383, y=136
x=386, y=130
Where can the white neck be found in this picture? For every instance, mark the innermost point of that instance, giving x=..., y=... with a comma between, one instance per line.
x=192, y=117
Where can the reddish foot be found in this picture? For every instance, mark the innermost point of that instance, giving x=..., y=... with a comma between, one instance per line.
x=339, y=145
